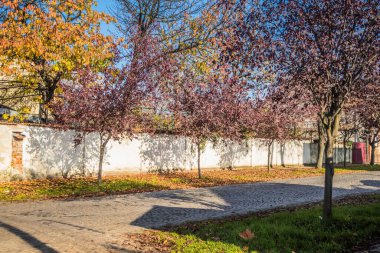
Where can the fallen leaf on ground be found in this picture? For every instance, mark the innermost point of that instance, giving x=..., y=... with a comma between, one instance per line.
x=247, y=234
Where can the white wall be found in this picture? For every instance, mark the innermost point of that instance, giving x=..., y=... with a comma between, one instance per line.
x=5, y=146
x=51, y=152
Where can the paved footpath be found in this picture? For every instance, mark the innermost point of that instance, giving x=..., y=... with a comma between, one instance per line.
x=94, y=224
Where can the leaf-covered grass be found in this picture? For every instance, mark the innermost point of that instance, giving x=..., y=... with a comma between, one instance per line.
x=131, y=183
x=60, y=188
x=299, y=230
x=375, y=167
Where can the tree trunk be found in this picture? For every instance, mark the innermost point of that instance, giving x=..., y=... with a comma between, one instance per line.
x=47, y=90
x=321, y=151
x=373, y=147
x=100, y=169
x=103, y=143
x=269, y=155
x=199, y=160
x=329, y=173
x=282, y=150
x=366, y=149
x=321, y=146
x=331, y=129
x=344, y=153
x=84, y=155
x=43, y=113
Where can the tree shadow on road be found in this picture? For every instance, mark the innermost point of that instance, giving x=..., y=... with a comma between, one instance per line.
x=28, y=238
x=249, y=198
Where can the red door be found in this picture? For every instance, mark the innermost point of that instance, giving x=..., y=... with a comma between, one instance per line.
x=358, y=153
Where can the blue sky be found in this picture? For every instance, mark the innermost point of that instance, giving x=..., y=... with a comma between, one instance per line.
x=105, y=6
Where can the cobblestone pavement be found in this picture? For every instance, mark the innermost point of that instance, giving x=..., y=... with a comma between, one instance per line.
x=92, y=225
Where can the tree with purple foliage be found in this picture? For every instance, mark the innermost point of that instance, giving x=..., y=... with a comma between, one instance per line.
x=321, y=53
x=348, y=127
x=329, y=50
x=111, y=103
x=96, y=103
x=368, y=113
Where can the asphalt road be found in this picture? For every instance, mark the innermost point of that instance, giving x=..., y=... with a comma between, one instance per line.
x=96, y=224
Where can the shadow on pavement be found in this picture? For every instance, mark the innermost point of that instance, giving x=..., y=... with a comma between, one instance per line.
x=251, y=199
x=28, y=238
x=241, y=199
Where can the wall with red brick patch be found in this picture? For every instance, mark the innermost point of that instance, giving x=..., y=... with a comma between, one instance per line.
x=17, y=151
x=6, y=146
x=43, y=151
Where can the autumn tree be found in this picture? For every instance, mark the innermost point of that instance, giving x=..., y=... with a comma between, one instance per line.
x=368, y=113
x=150, y=16
x=184, y=96
x=205, y=111
x=277, y=120
x=93, y=103
x=328, y=49
x=183, y=25
x=111, y=102
x=191, y=104
x=208, y=97
x=270, y=127
x=206, y=103
x=43, y=42
x=348, y=127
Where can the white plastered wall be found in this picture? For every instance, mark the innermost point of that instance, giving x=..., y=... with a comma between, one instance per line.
x=51, y=152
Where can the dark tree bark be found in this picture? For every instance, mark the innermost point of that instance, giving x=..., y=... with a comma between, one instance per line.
x=366, y=149
x=372, y=142
x=346, y=136
x=331, y=125
x=345, y=153
x=84, y=155
x=199, y=160
x=47, y=90
x=373, y=147
x=103, y=143
x=42, y=113
x=329, y=173
x=282, y=147
x=270, y=144
x=321, y=146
